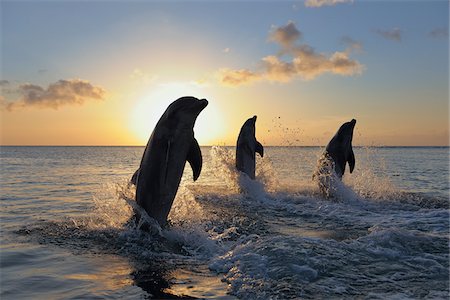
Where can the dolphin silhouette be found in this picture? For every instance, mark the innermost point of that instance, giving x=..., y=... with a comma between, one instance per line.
x=171, y=144
x=340, y=150
x=246, y=147
x=331, y=165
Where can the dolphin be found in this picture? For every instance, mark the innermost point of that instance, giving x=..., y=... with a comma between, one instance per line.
x=246, y=147
x=331, y=165
x=171, y=144
x=340, y=150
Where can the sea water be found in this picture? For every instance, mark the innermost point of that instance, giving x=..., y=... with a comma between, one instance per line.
x=66, y=232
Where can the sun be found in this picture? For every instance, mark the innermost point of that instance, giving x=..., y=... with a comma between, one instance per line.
x=149, y=107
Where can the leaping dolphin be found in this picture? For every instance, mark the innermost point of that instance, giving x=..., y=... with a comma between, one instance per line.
x=171, y=144
x=340, y=150
x=246, y=147
x=337, y=154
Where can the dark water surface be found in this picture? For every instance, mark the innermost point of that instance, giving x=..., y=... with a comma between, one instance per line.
x=65, y=230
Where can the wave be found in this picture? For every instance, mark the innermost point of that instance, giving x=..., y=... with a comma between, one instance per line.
x=268, y=238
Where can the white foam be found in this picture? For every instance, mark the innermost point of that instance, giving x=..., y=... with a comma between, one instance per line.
x=266, y=179
x=223, y=162
x=233, y=230
x=185, y=208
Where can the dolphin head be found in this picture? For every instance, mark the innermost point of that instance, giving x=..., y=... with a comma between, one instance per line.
x=185, y=110
x=249, y=126
x=345, y=132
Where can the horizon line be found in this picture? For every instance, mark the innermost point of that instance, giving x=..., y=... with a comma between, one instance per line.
x=356, y=146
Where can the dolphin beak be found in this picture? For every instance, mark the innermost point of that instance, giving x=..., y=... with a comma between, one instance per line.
x=254, y=118
x=202, y=104
x=352, y=123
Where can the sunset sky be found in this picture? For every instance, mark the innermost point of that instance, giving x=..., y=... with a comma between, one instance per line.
x=103, y=72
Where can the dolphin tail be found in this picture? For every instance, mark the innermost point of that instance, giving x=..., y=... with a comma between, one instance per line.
x=194, y=158
x=351, y=160
x=259, y=149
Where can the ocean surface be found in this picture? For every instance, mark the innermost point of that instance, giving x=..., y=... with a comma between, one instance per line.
x=66, y=231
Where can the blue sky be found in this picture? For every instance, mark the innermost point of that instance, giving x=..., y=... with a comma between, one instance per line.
x=397, y=87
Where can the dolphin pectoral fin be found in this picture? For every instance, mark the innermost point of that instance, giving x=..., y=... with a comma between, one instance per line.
x=351, y=160
x=135, y=176
x=259, y=149
x=194, y=158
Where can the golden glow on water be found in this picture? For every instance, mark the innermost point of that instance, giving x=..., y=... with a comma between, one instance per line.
x=197, y=285
x=113, y=276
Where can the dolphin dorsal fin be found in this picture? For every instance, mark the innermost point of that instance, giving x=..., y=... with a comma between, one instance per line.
x=351, y=160
x=259, y=148
x=194, y=158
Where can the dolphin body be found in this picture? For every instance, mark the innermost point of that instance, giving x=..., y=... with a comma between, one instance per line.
x=331, y=165
x=171, y=144
x=246, y=147
x=340, y=150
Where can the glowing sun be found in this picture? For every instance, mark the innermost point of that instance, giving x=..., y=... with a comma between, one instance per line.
x=147, y=110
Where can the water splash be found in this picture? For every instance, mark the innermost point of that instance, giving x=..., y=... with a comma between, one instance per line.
x=112, y=207
x=266, y=180
x=266, y=174
x=185, y=208
x=330, y=185
x=296, y=245
x=251, y=188
x=368, y=185
x=370, y=179
x=223, y=161
x=284, y=135
x=369, y=182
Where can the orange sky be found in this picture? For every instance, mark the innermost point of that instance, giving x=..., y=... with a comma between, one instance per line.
x=108, y=82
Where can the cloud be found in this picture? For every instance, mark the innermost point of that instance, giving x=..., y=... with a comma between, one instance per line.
x=4, y=88
x=352, y=44
x=286, y=36
x=226, y=50
x=319, y=3
x=439, y=33
x=236, y=77
x=60, y=93
x=293, y=61
x=393, y=34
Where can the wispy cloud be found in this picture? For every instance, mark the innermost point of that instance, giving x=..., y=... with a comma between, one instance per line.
x=439, y=33
x=302, y=61
x=60, y=93
x=236, y=77
x=394, y=34
x=352, y=44
x=319, y=3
